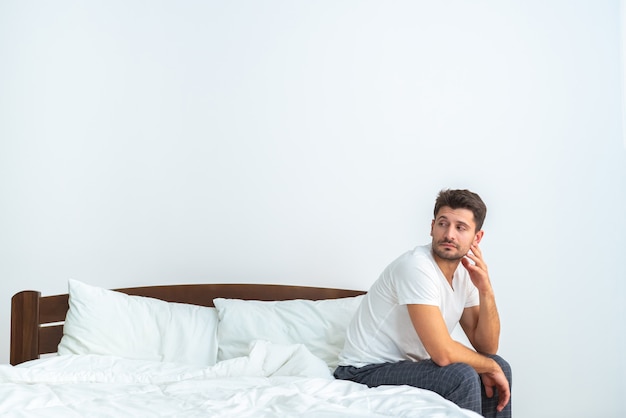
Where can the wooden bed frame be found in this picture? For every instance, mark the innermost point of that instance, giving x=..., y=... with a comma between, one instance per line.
x=37, y=321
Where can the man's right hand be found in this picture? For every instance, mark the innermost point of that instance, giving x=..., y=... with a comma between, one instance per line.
x=497, y=380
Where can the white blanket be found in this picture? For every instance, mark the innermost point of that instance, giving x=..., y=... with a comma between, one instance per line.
x=272, y=381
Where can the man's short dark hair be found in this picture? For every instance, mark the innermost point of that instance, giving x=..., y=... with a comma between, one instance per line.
x=462, y=199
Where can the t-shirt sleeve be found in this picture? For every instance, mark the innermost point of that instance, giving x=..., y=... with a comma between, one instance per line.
x=416, y=283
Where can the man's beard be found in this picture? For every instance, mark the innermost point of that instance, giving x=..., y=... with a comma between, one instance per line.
x=447, y=254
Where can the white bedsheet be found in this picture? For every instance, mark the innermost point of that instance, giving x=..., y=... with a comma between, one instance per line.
x=272, y=381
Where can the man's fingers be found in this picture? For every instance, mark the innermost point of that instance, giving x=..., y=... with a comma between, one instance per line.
x=501, y=389
x=488, y=391
x=504, y=396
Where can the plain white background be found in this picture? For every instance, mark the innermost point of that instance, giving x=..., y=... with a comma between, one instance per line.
x=304, y=142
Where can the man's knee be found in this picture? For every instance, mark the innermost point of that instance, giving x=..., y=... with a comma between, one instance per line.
x=462, y=386
x=461, y=375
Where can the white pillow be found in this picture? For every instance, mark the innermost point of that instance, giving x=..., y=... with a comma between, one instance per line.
x=101, y=321
x=319, y=325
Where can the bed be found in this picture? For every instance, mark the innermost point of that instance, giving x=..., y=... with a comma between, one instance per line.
x=241, y=350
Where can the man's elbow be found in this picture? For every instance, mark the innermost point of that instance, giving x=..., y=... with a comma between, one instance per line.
x=487, y=349
x=441, y=362
x=441, y=358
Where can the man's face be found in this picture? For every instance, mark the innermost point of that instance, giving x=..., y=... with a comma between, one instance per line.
x=453, y=232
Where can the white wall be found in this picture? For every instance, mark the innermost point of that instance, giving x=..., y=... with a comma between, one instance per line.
x=149, y=142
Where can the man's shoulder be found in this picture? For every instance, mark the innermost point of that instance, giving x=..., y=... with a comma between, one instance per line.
x=414, y=278
x=413, y=264
x=420, y=256
x=423, y=251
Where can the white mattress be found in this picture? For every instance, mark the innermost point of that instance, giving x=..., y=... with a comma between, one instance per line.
x=272, y=381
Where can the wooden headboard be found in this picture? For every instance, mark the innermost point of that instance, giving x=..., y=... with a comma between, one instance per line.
x=37, y=321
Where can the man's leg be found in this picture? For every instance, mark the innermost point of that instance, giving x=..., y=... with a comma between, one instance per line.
x=457, y=382
x=490, y=404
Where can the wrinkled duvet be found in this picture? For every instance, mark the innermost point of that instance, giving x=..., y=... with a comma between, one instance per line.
x=272, y=381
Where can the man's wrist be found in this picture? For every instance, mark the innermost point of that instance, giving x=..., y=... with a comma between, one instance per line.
x=486, y=292
x=495, y=367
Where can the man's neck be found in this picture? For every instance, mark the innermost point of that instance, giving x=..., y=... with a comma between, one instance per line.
x=447, y=267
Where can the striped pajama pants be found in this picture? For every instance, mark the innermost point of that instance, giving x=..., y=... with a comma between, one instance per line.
x=457, y=382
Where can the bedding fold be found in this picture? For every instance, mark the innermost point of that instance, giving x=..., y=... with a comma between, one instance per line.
x=273, y=380
x=265, y=359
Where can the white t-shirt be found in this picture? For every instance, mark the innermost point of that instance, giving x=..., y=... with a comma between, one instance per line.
x=381, y=330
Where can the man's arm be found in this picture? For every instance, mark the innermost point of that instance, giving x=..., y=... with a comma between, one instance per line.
x=443, y=350
x=481, y=323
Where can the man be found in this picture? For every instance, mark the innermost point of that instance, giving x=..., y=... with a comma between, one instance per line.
x=400, y=335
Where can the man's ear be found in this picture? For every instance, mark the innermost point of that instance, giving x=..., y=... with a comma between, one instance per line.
x=432, y=225
x=479, y=236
